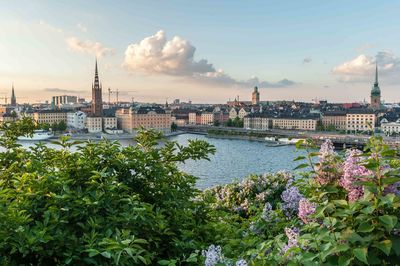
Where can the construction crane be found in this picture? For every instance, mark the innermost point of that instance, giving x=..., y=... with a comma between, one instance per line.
x=117, y=93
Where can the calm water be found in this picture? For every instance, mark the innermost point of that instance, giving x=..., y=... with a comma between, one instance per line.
x=234, y=159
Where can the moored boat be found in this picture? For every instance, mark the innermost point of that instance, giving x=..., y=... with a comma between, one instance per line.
x=37, y=135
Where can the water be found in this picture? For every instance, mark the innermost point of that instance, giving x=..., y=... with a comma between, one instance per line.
x=234, y=159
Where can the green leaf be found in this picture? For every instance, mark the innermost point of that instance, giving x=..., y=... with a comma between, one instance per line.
x=388, y=221
x=340, y=202
x=106, y=254
x=344, y=260
x=299, y=158
x=396, y=244
x=303, y=165
x=361, y=254
x=385, y=246
x=365, y=227
x=341, y=247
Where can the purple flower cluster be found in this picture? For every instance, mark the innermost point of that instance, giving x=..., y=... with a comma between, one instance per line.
x=267, y=211
x=292, y=235
x=213, y=255
x=306, y=208
x=353, y=172
x=291, y=197
x=327, y=167
x=241, y=262
x=393, y=188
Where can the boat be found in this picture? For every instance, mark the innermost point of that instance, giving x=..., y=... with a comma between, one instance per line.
x=37, y=135
x=292, y=141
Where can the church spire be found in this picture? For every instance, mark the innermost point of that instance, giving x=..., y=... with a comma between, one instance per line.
x=13, y=98
x=96, y=75
x=376, y=73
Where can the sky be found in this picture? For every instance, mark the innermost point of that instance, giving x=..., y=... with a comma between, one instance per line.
x=203, y=51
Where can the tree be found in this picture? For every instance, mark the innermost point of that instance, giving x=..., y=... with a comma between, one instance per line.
x=103, y=204
x=216, y=123
x=174, y=127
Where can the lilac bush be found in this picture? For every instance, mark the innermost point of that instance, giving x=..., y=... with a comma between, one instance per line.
x=306, y=208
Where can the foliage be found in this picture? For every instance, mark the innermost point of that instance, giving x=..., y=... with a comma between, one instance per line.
x=102, y=204
x=174, y=127
x=237, y=122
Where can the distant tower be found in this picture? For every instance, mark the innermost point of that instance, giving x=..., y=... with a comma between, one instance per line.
x=376, y=92
x=13, y=98
x=255, y=99
x=97, y=102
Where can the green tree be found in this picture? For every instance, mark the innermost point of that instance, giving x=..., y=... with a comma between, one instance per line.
x=103, y=204
x=174, y=127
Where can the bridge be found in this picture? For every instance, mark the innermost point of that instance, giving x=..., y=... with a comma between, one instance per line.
x=341, y=141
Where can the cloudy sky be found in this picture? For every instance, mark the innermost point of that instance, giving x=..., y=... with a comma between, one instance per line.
x=204, y=51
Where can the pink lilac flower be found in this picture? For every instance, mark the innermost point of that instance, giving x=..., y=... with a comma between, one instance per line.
x=292, y=235
x=306, y=208
x=213, y=255
x=327, y=167
x=291, y=197
x=352, y=173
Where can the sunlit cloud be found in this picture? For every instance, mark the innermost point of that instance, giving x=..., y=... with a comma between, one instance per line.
x=362, y=67
x=81, y=27
x=176, y=57
x=49, y=27
x=89, y=47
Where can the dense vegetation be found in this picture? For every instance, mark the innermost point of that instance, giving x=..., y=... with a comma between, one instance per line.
x=104, y=204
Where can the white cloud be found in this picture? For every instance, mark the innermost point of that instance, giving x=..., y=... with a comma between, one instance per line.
x=81, y=27
x=362, y=67
x=49, y=27
x=88, y=47
x=157, y=55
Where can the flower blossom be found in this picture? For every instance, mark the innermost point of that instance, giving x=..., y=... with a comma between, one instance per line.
x=292, y=235
x=306, y=208
x=291, y=197
x=352, y=173
x=213, y=255
x=327, y=167
x=241, y=262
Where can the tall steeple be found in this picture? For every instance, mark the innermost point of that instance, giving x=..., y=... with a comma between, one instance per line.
x=97, y=101
x=376, y=92
x=13, y=98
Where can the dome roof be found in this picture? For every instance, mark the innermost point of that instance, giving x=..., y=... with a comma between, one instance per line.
x=376, y=91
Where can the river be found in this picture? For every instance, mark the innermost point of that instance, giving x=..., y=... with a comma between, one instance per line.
x=234, y=159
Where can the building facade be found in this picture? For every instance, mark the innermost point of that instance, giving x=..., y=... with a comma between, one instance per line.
x=336, y=120
x=360, y=121
x=49, y=117
x=110, y=123
x=58, y=101
x=257, y=121
x=76, y=120
x=294, y=123
x=94, y=124
x=391, y=128
x=150, y=117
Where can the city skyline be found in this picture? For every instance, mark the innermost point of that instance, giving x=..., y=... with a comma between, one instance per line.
x=157, y=51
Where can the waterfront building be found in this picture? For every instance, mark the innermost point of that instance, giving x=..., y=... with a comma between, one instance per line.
x=233, y=113
x=94, y=124
x=255, y=97
x=180, y=116
x=7, y=118
x=6, y=109
x=13, y=98
x=390, y=128
x=295, y=122
x=360, y=120
x=334, y=119
x=110, y=122
x=243, y=112
x=76, y=120
x=206, y=118
x=97, y=101
x=148, y=117
x=49, y=117
x=59, y=101
x=257, y=121
x=376, y=92
x=194, y=118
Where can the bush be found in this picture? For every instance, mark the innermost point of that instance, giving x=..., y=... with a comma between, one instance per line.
x=103, y=204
